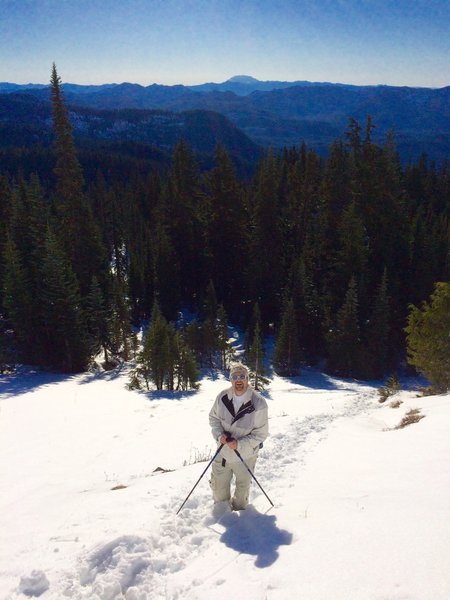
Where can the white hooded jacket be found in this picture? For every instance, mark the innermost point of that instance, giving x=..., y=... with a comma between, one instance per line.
x=249, y=426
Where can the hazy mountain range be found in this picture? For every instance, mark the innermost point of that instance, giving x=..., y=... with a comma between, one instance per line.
x=257, y=113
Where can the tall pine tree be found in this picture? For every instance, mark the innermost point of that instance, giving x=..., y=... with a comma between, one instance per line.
x=64, y=335
x=344, y=342
x=227, y=232
x=18, y=302
x=255, y=352
x=77, y=228
x=377, y=333
x=287, y=354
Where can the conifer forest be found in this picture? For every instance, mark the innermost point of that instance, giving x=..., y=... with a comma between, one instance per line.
x=324, y=254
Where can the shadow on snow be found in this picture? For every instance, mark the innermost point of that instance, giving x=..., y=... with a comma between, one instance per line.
x=254, y=533
x=312, y=378
x=28, y=380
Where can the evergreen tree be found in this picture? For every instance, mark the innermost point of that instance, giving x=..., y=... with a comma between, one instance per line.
x=227, y=233
x=301, y=201
x=17, y=301
x=19, y=223
x=134, y=260
x=78, y=231
x=38, y=219
x=223, y=345
x=5, y=210
x=265, y=271
x=292, y=226
x=172, y=363
x=165, y=360
x=210, y=341
x=210, y=303
x=287, y=355
x=193, y=335
x=309, y=310
x=335, y=187
x=344, y=343
x=352, y=254
x=7, y=354
x=98, y=320
x=184, y=208
x=353, y=135
x=250, y=332
x=256, y=353
x=112, y=205
x=155, y=360
x=121, y=337
x=430, y=239
x=379, y=352
x=185, y=367
x=67, y=170
x=165, y=270
x=428, y=338
x=63, y=327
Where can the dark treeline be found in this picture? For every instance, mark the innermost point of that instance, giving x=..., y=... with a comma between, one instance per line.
x=329, y=252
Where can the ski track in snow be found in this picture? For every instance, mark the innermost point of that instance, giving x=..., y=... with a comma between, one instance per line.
x=128, y=567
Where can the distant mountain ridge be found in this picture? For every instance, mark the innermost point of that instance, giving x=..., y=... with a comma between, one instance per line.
x=239, y=84
x=278, y=114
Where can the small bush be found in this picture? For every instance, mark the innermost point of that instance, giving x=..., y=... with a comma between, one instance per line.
x=429, y=391
x=384, y=394
x=391, y=388
x=134, y=382
x=412, y=416
x=395, y=403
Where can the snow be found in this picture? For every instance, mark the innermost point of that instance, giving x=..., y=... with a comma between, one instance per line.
x=34, y=585
x=361, y=511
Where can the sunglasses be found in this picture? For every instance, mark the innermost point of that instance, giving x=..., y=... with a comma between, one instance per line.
x=240, y=376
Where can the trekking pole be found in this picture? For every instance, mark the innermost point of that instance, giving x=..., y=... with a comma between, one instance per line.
x=207, y=467
x=252, y=474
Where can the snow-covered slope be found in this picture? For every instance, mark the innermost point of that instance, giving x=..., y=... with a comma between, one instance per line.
x=361, y=512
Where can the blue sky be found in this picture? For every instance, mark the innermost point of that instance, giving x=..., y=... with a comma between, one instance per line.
x=394, y=42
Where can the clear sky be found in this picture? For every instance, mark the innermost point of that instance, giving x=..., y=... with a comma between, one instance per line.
x=394, y=42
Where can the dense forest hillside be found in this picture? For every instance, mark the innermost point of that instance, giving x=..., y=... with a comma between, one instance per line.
x=26, y=122
x=325, y=253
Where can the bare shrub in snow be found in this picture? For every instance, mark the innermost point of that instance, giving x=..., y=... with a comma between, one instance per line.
x=412, y=416
x=197, y=456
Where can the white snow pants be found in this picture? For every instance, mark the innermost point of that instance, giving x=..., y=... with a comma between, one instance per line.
x=221, y=481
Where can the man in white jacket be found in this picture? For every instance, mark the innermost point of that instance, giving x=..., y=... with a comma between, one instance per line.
x=239, y=420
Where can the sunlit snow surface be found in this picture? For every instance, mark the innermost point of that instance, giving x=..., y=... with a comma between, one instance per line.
x=362, y=510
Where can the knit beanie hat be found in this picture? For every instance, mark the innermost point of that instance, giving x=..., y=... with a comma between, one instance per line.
x=238, y=368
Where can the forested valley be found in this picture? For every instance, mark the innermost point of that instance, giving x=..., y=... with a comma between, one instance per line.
x=325, y=255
